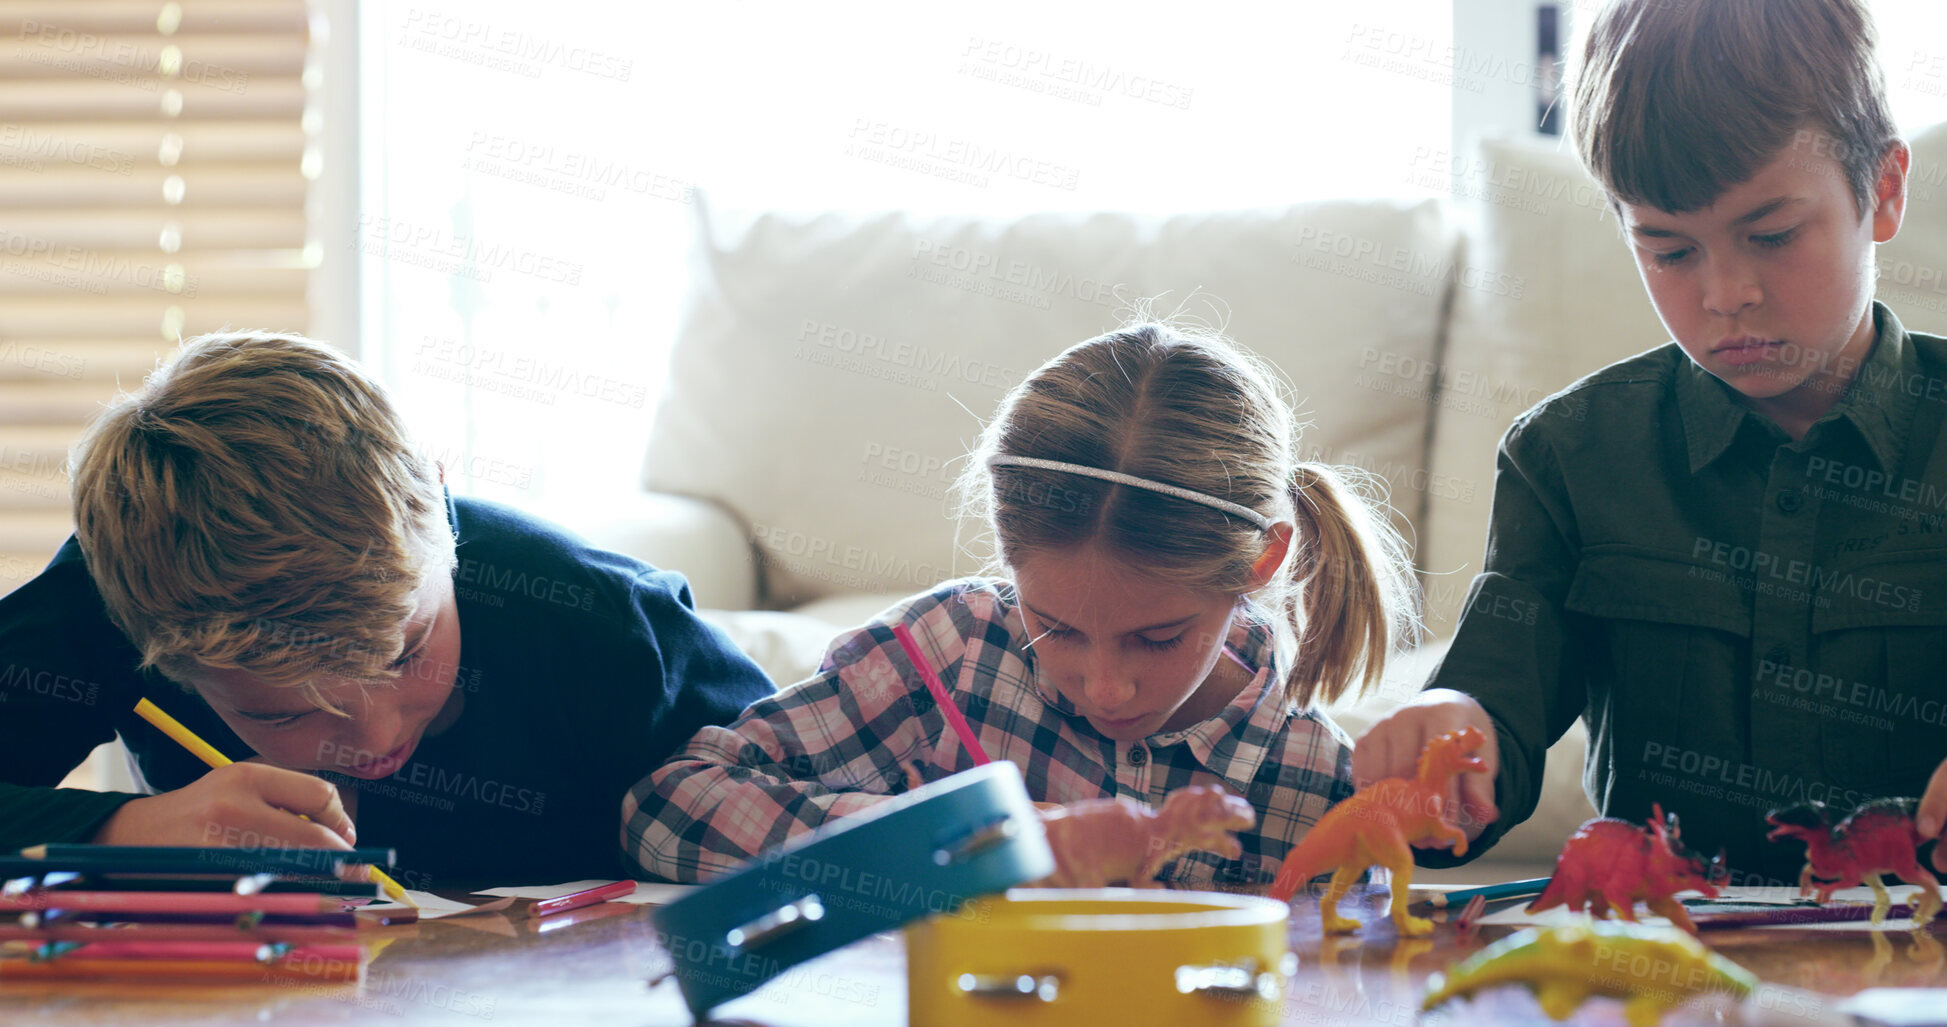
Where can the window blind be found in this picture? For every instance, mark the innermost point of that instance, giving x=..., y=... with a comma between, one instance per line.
x=155, y=161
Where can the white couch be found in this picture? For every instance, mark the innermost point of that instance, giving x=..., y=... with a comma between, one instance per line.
x=832, y=369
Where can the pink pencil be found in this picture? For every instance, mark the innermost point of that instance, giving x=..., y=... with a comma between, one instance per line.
x=952, y=713
x=172, y=902
x=585, y=897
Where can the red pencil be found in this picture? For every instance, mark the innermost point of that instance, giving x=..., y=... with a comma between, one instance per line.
x=585, y=897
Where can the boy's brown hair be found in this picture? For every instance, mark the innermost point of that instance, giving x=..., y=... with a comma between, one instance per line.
x=257, y=505
x=1676, y=101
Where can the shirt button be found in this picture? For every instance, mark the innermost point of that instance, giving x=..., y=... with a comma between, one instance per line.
x=1138, y=756
x=1790, y=500
x=1778, y=656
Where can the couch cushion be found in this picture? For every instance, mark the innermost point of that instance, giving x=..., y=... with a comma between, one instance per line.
x=1537, y=219
x=831, y=370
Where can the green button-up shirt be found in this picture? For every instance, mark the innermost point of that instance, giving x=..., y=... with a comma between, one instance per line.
x=1746, y=621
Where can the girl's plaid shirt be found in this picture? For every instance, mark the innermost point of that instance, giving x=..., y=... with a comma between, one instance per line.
x=843, y=739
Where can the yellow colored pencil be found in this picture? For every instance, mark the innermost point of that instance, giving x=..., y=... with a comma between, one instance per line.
x=206, y=752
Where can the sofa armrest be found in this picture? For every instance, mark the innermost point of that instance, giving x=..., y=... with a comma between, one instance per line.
x=693, y=536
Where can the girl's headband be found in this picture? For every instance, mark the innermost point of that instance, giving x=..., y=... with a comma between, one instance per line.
x=1234, y=509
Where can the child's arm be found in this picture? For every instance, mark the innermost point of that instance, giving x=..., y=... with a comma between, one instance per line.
x=1931, y=818
x=57, y=693
x=827, y=747
x=1515, y=669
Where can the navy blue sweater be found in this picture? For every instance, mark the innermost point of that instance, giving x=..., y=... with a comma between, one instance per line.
x=583, y=669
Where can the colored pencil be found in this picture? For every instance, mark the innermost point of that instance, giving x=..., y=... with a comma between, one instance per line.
x=247, y=951
x=46, y=918
x=17, y=867
x=585, y=897
x=296, y=935
x=302, y=903
x=951, y=712
x=127, y=859
x=1492, y=892
x=174, y=970
x=170, y=726
x=226, y=865
x=274, y=886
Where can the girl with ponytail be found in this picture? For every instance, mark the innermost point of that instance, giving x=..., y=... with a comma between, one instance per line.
x=1172, y=595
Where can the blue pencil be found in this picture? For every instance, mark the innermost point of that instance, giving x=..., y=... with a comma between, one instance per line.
x=1504, y=890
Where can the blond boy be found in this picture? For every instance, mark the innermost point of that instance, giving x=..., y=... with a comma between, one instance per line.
x=262, y=551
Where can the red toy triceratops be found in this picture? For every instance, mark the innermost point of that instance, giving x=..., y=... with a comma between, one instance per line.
x=1877, y=838
x=1610, y=864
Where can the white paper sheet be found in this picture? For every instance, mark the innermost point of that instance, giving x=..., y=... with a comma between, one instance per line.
x=432, y=907
x=646, y=892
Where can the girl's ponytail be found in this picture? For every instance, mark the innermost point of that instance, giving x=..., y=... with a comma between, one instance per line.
x=1352, y=600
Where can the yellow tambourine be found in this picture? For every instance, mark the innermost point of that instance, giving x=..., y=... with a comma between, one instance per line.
x=1053, y=956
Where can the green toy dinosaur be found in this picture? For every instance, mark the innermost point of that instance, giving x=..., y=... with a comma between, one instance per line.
x=1650, y=968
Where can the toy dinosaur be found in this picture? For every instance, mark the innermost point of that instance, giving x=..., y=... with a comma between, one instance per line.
x=1380, y=824
x=1610, y=864
x=1099, y=842
x=1877, y=838
x=1650, y=968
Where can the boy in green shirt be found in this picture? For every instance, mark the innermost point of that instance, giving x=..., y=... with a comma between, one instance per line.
x=1735, y=567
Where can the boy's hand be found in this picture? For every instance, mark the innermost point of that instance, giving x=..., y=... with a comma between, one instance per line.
x=250, y=805
x=1391, y=748
x=1931, y=820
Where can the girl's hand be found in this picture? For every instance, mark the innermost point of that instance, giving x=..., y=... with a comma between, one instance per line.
x=249, y=805
x=1391, y=748
x=1931, y=820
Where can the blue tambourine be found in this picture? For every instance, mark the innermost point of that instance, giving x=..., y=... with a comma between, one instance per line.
x=921, y=853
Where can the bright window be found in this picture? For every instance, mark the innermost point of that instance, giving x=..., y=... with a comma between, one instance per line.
x=527, y=166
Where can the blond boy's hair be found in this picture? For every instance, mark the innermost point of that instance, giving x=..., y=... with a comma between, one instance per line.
x=257, y=505
x=1198, y=412
x=1676, y=101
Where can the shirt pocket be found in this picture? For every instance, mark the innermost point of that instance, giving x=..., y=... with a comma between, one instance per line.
x=1879, y=633
x=1669, y=637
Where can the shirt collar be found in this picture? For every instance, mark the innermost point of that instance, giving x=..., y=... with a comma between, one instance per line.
x=1878, y=403
x=1234, y=743
x=1711, y=415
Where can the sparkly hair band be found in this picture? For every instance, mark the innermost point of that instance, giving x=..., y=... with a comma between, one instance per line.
x=1234, y=509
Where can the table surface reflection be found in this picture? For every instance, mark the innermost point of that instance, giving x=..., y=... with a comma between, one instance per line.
x=596, y=966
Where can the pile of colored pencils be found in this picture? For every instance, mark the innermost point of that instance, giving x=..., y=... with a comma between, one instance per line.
x=99, y=911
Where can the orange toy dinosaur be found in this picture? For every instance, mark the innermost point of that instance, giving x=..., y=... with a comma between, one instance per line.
x=1379, y=824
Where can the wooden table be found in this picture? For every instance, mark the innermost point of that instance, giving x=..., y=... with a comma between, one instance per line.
x=592, y=966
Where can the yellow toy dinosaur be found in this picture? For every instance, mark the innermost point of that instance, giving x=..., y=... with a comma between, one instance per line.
x=1652, y=969
x=1380, y=824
